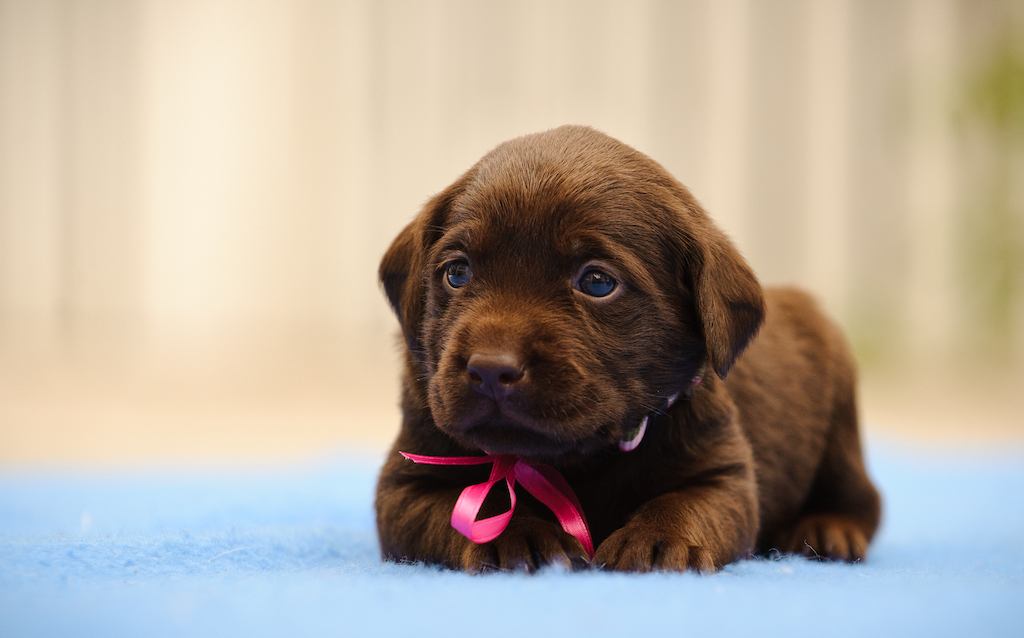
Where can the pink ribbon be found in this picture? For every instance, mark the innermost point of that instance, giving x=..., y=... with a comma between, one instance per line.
x=543, y=481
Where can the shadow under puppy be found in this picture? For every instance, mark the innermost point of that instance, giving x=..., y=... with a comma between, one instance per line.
x=562, y=292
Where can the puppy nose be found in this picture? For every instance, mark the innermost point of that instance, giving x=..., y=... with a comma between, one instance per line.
x=494, y=375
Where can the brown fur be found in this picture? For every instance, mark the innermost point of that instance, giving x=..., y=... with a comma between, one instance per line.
x=768, y=459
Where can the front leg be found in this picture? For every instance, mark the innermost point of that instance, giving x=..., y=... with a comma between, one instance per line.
x=414, y=508
x=703, y=526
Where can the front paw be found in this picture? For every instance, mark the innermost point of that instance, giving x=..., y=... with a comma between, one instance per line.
x=829, y=537
x=639, y=547
x=525, y=545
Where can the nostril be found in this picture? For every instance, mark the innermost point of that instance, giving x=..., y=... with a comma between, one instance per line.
x=508, y=378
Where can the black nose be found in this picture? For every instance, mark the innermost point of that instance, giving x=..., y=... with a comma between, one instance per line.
x=494, y=375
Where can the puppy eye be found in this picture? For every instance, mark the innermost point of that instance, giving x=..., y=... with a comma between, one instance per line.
x=458, y=273
x=596, y=283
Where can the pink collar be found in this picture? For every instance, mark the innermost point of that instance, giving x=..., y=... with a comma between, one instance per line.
x=636, y=435
x=543, y=481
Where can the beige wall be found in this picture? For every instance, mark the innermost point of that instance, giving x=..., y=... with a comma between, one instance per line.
x=200, y=191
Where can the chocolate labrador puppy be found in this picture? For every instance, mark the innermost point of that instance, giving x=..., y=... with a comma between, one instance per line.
x=569, y=302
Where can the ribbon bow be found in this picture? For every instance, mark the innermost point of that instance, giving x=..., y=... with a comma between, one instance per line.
x=543, y=481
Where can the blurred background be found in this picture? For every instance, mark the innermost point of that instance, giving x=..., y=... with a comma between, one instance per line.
x=194, y=196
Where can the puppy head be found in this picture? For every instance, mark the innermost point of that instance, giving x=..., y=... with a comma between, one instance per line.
x=560, y=290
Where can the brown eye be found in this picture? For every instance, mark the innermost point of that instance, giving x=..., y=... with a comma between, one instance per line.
x=458, y=273
x=596, y=283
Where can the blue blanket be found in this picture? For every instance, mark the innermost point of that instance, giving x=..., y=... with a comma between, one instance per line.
x=292, y=551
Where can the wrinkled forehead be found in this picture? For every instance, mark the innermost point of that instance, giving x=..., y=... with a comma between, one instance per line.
x=549, y=217
x=521, y=219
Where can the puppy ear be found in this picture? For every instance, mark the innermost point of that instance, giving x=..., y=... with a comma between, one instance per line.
x=401, y=270
x=401, y=263
x=729, y=299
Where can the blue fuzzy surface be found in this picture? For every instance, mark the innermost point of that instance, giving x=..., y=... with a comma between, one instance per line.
x=292, y=551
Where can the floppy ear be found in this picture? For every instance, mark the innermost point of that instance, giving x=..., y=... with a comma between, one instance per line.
x=729, y=299
x=401, y=270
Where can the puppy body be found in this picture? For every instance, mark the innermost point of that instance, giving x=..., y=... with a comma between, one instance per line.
x=560, y=292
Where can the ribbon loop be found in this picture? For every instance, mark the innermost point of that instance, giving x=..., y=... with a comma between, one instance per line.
x=472, y=499
x=542, y=481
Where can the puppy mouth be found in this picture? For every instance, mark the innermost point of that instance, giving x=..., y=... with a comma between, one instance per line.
x=501, y=430
x=503, y=438
x=502, y=427
x=500, y=434
x=583, y=420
